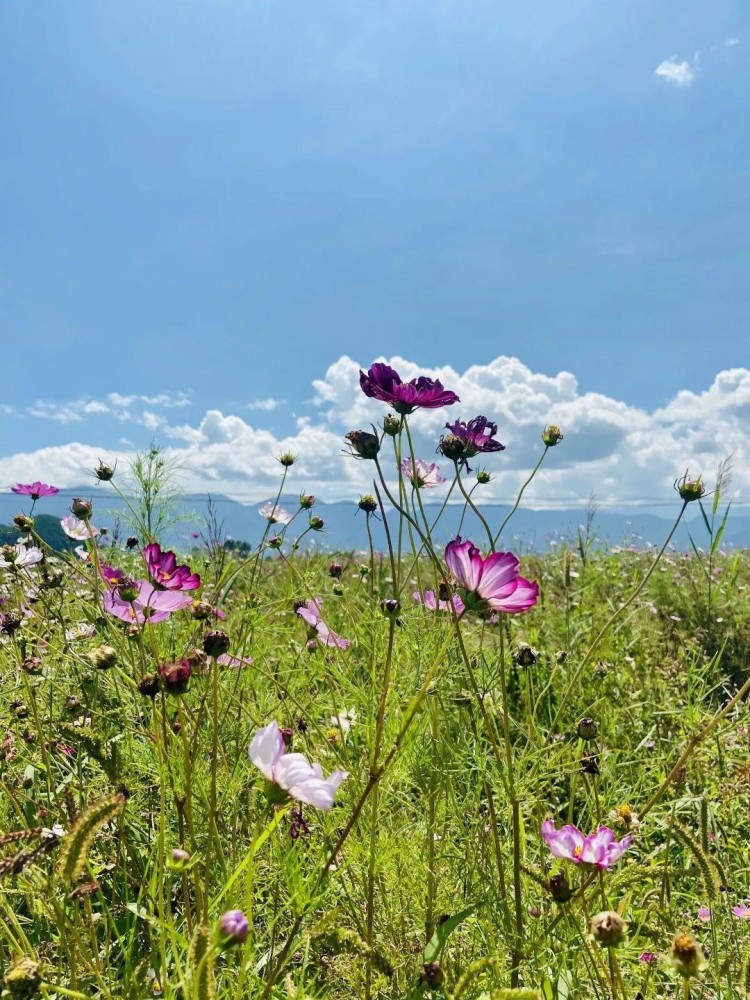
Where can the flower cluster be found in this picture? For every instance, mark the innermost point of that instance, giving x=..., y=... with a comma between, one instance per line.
x=600, y=850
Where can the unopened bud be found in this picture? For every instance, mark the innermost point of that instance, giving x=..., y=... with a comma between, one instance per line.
x=367, y=503
x=232, y=929
x=686, y=955
x=452, y=447
x=690, y=489
x=559, y=888
x=103, y=657
x=81, y=508
x=391, y=425
x=131, y=542
x=127, y=589
x=390, y=607
x=215, y=642
x=525, y=655
x=287, y=458
x=201, y=610
x=363, y=444
x=317, y=523
x=176, y=676
x=23, y=522
x=22, y=978
x=483, y=477
x=306, y=501
x=178, y=859
x=335, y=570
x=608, y=928
x=104, y=472
x=431, y=975
x=587, y=729
x=149, y=686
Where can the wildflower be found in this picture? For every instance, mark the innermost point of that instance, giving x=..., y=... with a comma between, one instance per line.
x=649, y=957
x=467, y=439
x=690, y=489
x=147, y=604
x=384, y=383
x=608, y=928
x=421, y=475
x=433, y=604
x=292, y=773
x=234, y=662
x=274, y=514
x=232, y=929
x=35, y=490
x=599, y=849
x=81, y=630
x=20, y=555
x=164, y=571
x=624, y=817
x=111, y=575
x=310, y=612
x=344, y=720
x=335, y=570
x=77, y=529
x=492, y=583
x=742, y=912
x=704, y=915
x=686, y=955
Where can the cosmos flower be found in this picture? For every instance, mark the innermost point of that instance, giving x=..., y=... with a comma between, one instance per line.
x=77, y=529
x=384, y=383
x=35, y=490
x=234, y=662
x=292, y=772
x=344, y=720
x=704, y=915
x=475, y=436
x=492, y=582
x=110, y=574
x=310, y=612
x=421, y=474
x=742, y=912
x=149, y=604
x=600, y=849
x=274, y=514
x=24, y=556
x=164, y=571
x=428, y=599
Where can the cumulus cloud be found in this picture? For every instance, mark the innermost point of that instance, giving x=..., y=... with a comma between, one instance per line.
x=114, y=404
x=618, y=452
x=266, y=404
x=681, y=74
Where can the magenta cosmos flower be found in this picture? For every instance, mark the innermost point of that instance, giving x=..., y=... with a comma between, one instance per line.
x=384, y=383
x=35, y=490
x=149, y=603
x=421, y=474
x=310, y=612
x=600, y=850
x=490, y=583
x=292, y=772
x=477, y=435
x=164, y=571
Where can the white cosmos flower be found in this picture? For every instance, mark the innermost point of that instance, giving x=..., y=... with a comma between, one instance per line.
x=292, y=772
x=344, y=720
x=25, y=556
x=274, y=514
x=77, y=529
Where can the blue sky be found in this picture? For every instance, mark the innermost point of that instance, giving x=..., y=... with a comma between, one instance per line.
x=218, y=201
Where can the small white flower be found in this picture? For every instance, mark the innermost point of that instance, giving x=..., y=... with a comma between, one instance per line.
x=77, y=529
x=274, y=514
x=344, y=720
x=293, y=772
x=81, y=630
x=24, y=556
x=57, y=831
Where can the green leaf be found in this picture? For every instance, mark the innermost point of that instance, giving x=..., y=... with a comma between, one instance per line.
x=437, y=942
x=720, y=531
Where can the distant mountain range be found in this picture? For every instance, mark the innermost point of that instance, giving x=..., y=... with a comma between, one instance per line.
x=345, y=526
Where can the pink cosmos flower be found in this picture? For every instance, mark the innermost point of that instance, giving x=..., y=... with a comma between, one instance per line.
x=477, y=435
x=743, y=912
x=164, y=571
x=292, y=772
x=600, y=849
x=75, y=528
x=704, y=915
x=274, y=514
x=110, y=575
x=384, y=383
x=421, y=474
x=310, y=612
x=234, y=662
x=35, y=490
x=428, y=599
x=490, y=583
x=649, y=957
x=150, y=604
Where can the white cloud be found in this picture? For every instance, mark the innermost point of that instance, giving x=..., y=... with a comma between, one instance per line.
x=681, y=74
x=730, y=42
x=265, y=404
x=616, y=451
x=115, y=404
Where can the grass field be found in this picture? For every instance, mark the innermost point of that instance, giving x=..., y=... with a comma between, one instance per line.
x=148, y=852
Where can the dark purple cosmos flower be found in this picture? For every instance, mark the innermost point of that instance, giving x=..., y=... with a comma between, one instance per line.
x=164, y=571
x=490, y=583
x=600, y=850
x=35, y=490
x=149, y=604
x=384, y=383
x=467, y=439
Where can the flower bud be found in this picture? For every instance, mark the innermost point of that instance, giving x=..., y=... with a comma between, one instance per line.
x=81, y=508
x=431, y=975
x=287, y=458
x=215, y=642
x=127, y=589
x=232, y=929
x=690, y=489
x=275, y=542
x=559, y=888
x=10, y=622
x=587, y=729
x=306, y=501
x=32, y=665
x=149, y=686
x=23, y=522
x=391, y=425
x=317, y=523
x=483, y=477
x=335, y=570
x=131, y=542
x=552, y=435
x=9, y=553
x=176, y=676
x=103, y=657
x=525, y=655
x=22, y=978
x=201, y=610
x=390, y=607
x=608, y=928
x=178, y=859
x=686, y=955
x=363, y=444
x=452, y=447
x=104, y=472
x=367, y=503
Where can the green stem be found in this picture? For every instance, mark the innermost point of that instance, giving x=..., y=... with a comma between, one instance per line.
x=514, y=508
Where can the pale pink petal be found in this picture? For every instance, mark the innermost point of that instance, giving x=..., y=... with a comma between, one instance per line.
x=267, y=748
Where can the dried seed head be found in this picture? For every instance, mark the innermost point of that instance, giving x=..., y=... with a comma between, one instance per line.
x=608, y=928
